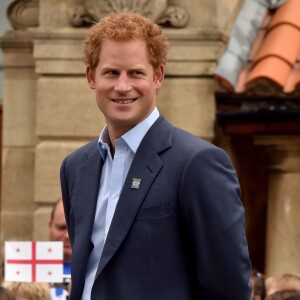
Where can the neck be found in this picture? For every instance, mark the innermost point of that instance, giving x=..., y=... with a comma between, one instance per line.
x=115, y=133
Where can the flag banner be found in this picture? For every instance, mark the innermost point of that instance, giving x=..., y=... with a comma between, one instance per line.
x=34, y=261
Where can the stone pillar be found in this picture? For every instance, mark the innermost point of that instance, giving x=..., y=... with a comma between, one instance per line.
x=19, y=139
x=283, y=230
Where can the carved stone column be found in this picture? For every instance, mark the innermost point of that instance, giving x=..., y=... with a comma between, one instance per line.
x=283, y=230
x=19, y=117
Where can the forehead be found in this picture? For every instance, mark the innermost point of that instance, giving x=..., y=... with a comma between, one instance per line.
x=59, y=209
x=123, y=50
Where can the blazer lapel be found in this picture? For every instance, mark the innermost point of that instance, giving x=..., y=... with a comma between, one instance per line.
x=145, y=166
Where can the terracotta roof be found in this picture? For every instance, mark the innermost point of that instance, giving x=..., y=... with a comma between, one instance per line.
x=272, y=62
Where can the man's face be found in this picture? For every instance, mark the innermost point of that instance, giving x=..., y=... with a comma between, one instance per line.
x=58, y=230
x=125, y=84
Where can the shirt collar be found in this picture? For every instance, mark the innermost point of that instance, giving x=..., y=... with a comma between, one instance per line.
x=133, y=137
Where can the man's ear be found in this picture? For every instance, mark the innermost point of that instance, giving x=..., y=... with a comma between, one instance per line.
x=159, y=75
x=90, y=76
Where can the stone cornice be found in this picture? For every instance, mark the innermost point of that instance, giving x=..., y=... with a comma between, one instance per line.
x=23, y=14
x=180, y=34
x=16, y=39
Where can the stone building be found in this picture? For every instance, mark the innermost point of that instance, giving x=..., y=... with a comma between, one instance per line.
x=49, y=111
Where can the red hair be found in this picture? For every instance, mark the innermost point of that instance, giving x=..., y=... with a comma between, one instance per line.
x=125, y=27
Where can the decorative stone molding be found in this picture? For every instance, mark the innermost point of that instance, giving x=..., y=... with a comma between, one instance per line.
x=23, y=14
x=80, y=17
x=90, y=11
x=174, y=16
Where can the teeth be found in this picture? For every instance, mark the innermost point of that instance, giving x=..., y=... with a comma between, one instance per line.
x=123, y=101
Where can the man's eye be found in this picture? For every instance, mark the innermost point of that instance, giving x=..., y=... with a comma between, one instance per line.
x=111, y=73
x=137, y=73
x=62, y=227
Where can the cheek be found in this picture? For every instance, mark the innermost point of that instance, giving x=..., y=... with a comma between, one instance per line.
x=57, y=234
x=147, y=87
x=103, y=85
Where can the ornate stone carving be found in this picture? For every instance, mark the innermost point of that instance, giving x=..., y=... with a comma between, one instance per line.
x=157, y=10
x=80, y=17
x=23, y=14
x=174, y=16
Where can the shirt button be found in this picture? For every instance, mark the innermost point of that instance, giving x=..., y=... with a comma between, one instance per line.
x=114, y=196
x=103, y=146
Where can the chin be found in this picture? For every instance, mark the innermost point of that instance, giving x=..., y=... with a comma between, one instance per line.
x=67, y=256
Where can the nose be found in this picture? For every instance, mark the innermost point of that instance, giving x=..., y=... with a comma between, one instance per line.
x=123, y=84
x=66, y=234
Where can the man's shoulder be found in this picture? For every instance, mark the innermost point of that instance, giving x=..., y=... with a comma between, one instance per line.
x=188, y=140
x=180, y=140
x=177, y=136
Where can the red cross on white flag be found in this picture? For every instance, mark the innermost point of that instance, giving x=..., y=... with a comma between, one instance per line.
x=34, y=261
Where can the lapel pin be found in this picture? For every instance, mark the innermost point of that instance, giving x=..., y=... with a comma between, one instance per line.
x=136, y=183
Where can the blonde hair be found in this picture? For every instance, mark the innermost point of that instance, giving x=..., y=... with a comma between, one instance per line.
x=30, y=290
x=125, y=27
x=283, y=282
x=291, y=294
x=5, y=294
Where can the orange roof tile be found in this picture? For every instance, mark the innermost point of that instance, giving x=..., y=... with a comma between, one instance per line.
x=293, y=80
x=287, y=13
x=267, y=19
x=273, y=68
x=283, y=41
x=257, y=44
x=240, y=87
x=275, y=53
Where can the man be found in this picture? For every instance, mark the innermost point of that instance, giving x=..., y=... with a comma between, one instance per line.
x=57, y=229
x=152, y=211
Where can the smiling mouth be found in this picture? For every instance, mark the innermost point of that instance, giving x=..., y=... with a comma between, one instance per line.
x=124, y=101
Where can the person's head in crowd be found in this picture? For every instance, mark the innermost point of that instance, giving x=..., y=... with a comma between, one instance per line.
x=29, y=290
x=58, y=228
x=6, y=294
x=290, y=294
x=258, y=285
x=282, y=282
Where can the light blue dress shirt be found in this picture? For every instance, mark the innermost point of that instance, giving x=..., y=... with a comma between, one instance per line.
x=113, y=175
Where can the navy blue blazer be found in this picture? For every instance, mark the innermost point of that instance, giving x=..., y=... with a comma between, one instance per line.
x=180, y=236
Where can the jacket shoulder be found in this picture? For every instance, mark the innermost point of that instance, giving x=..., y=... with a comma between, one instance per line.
x=189, y=141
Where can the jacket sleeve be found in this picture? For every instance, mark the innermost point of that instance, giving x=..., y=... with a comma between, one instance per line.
x=215, y=227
